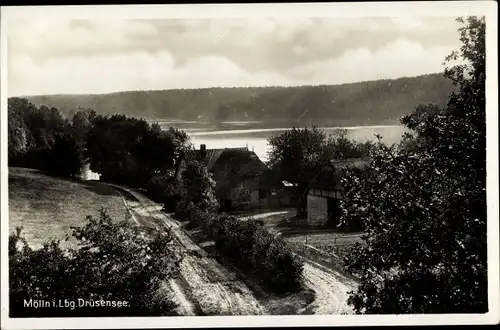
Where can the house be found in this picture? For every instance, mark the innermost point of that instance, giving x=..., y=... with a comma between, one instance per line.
x=239, y=177
x=87, y=174
x=325, y=193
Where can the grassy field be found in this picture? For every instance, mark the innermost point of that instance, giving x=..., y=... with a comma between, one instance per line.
x=46, y=207
x=326, y=240
x=336, y=243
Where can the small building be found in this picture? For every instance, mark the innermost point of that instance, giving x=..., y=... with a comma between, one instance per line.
x=239, y=176
x=325, y=193
x=87, y=174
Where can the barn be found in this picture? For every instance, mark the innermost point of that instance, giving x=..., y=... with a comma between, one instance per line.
x=323, y=196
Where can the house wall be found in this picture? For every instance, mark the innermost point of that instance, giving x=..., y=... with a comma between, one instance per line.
x=87, y=174
x=317, y=210
x=272, y=198
x=254, y=199
x=180, y=168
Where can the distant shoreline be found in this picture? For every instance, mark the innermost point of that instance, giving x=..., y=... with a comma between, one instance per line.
x=258, y=130
x=269, y=125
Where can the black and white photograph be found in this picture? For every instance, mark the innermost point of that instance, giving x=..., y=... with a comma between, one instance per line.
x=252, y=164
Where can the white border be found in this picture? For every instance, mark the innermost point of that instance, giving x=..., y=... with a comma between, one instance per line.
x=394, y=9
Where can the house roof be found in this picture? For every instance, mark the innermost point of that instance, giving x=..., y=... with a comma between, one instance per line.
x=351, y=162
x=328, y=177
x=230, y=167
x=212, y=155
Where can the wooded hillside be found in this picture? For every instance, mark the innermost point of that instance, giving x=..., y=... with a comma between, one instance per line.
x=373, y=102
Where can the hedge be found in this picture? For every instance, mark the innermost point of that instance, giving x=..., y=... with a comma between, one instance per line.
x=252, y=248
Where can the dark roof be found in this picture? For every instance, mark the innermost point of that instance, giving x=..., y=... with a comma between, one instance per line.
x=230, y=167
x=212, y=155
x=328, y=177
x=351, y=163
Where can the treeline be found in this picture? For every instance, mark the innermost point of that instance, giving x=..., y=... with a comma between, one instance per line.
x=121, y=149
x=372, y=102
x=130, y=151
x=41, y=138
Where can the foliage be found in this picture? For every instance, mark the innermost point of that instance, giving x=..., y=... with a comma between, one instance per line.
x=295, y=156
x=121, y=149
x=114, y=261
x=66, y=158
x=198, y=189
x=424, y=206
x=17, y=133
x=129, y=151
x=299, y=156
x=32, y=133
x=254, y=249
x=363, y=103
x=339, y=146
x=164, y=189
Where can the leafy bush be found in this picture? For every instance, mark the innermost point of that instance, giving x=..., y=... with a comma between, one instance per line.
x=164, y=189
x=250, y=247
x=114, y=261
x=424, y=207
x=303, y=157
x=197, y=190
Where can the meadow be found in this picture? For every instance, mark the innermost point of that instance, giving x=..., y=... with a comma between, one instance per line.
x=47, y=207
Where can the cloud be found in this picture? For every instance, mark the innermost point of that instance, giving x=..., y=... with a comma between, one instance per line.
x=131, y=71
x=399, y=58
x=80, y=56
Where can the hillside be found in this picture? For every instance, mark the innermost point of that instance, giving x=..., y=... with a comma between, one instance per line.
x=372, y=102
x=46, y=206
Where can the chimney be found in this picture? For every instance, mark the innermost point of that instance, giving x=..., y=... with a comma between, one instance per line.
x=203, y=152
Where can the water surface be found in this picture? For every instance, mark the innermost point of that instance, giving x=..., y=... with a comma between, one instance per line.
x=255, y=137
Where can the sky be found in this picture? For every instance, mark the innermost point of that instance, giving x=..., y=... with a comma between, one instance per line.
x=104, y=56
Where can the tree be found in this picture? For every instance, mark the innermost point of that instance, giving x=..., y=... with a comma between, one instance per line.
x=165, y=189
x=301, y=156
x=198, y=189
x=295, y=156
x=339, y=146
x=424, y=206
x=81, y=123
x=182, y=142
x=129, y=151
x=33, y=133
x=17, y=137
x=113, y=261
x=20, y=137
x=66, y=157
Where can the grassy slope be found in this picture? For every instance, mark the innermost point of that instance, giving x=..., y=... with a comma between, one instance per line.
x=46, y=207
x=363, y=103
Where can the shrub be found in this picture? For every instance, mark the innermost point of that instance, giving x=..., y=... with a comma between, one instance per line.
x=114, y=261
x=164, y=189
x=425, y=210
x=250, y=247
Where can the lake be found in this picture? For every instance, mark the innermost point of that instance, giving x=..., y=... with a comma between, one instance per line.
x=254, y=136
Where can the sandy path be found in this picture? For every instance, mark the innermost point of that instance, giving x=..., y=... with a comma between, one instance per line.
x=205, y=286
x=208, y=287
x=331, y=290
x=263, y=215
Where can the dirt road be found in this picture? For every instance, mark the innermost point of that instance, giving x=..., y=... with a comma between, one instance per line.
x=208, y=288
x=205, y=287
x=331, y=290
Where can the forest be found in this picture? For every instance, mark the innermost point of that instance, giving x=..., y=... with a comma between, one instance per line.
x=363, y=103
